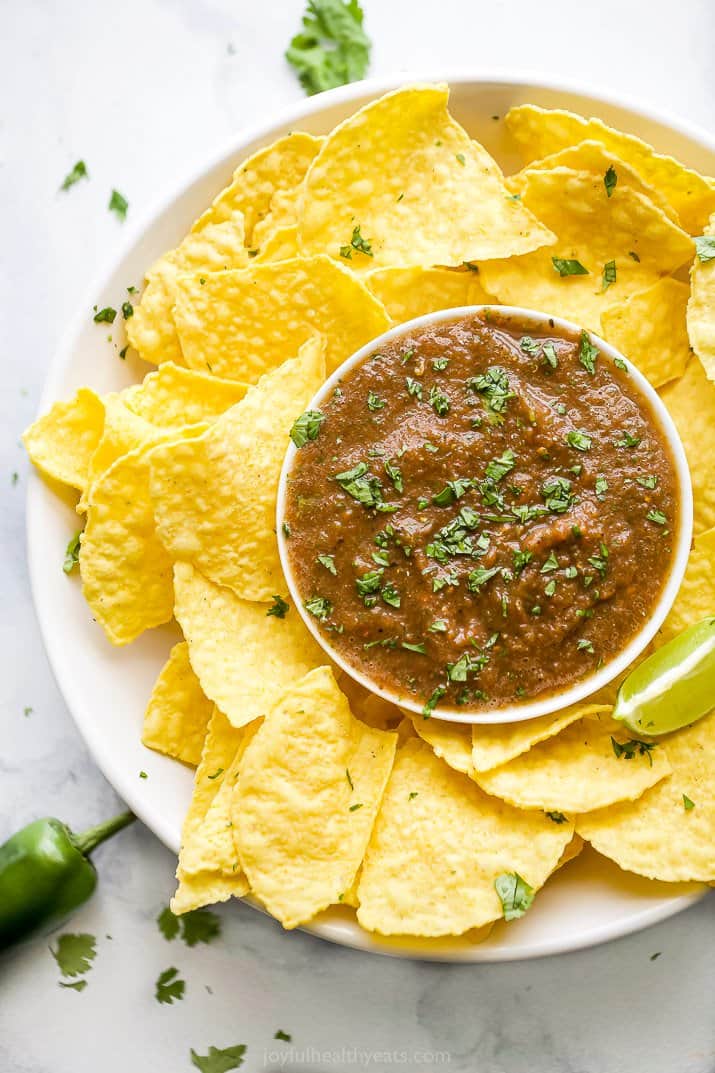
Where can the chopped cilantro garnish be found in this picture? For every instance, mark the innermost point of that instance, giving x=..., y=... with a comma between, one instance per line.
x=74, y=953
x=515, y=894
x=466, y=664
x=306, y=427
x=528, y=345
x=634, y=255
x=609, y=275
x=79, y=171
x=460, y=158
x=332, y=47
x=169, y=987
x=440, y=364
x=369, y=583
x=72, y=553
x=705, y=248
x=366, y=489
x=627, y=440
x=620, y=364
x=433, y=700
x=328, y=562
x=104, y=316
x=169, y=925
x=550, y=357
x=452, y=491
x=319, y=607
x=633, y=747
x=687, y=803
x=610, y=179
x=219, y=1059
x=587, y=353
x=568, y=266
x=419, y=648
x=390, y=595
x=520, y=559
x=479, y=577
x=127, y=310
x=357, y=242
x=551, y=564
x=284, y=1036
x=494, y=386
x=374, y=402
x=584, y=645
x=355, y=807
x=556, y=493
x=601, y=487
x=438, y=626
x=556, y=817
x=118, y=204
x=579, y=440
x=439, y=401
x=395, y=475
x=412, y=795
x=657, y=517
x=498, y=468
x=649, y=482
x=278, y=608
x=414, y=388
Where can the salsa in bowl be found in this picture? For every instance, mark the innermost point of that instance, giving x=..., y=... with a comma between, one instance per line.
x=484, y=514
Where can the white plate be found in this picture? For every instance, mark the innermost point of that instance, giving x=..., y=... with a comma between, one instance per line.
x=106, y=688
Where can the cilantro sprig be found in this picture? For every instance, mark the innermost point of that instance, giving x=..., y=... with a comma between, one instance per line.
x=332, y=48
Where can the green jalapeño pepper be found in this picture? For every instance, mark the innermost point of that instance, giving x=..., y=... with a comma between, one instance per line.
x=46, y=873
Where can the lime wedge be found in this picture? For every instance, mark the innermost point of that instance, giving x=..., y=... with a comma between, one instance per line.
x=673, y=687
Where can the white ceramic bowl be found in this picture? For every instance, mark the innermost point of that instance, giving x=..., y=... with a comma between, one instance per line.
x=512, y=713
x=106, y=689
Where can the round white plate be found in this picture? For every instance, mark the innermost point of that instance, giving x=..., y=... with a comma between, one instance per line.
x=107, y=688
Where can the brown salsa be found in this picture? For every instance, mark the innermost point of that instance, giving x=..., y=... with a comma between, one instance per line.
x=481, y=513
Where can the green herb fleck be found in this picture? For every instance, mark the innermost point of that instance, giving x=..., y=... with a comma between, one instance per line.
x=610, y=179
x=514, y=893
x=118, y=204
x=306, y=427
x=567, y=266
x=72, y=553
x=587, y=353
x=278, y=608
x=319, y=607
x=169, y=987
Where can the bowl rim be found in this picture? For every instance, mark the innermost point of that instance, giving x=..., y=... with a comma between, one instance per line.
x=584, y=687
x=58, y=379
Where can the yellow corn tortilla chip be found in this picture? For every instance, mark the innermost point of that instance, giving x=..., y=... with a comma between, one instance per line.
x=242, y=324
x=649, y=329
x=126, y=572
x=691, y=403
x=576, y=771
x=209, y=247
x=178, y=713
x=62, y=441
x=657, y=836
x=696, y=595
x=242, y=656
x=279, y=245
x=701, y=309
x=311, y=783
x=410, y=292
x=215, y=497
x=593, y=229
x=572, y=851
x=176, y=396
x=593, y=156
x=403, y=176
x=438, y=845
x=540, y=132
x=451, y=742
x=202, y=879
x=123, y=432
x=263, y=183
x=497, y=744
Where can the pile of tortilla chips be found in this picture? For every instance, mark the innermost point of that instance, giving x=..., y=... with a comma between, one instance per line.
x=309, y=791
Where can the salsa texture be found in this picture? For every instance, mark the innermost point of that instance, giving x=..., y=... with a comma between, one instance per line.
x=481, y=513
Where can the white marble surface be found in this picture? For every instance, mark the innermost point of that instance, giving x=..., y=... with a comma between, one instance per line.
x=144, y=90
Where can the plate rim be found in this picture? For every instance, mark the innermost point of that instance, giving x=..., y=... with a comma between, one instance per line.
x=123, y=783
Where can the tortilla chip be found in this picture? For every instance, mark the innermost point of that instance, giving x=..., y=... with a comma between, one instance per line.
x=123, y=432
x=311, y=784
x=696, y=595
x=279, y=245
x=262, y=183
x=594, y=156
x=242, y=324
x=594, y=230
x=571, y=852
x=209, y=247
x=451, y=742
x=202, y=877
x=242, y=656
x=657, y=836
x=126, y=572
x=404, y=177
x=62, y=441
x=438, y=845
x=215, y=497
x=174, y=396
x=649, y=329
x=691, y=404
x=410, y=292
x=496, y=744
x=178, y=713
x=701, y=309
x=576, y=771
x=539, y=132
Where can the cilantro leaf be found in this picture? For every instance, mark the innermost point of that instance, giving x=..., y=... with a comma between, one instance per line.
x=328, y=561
x=332, y=48
x=632, y=748
x=168, y=923
x=587, y=353
x=320, y=607
x=104, y=316
x=219, y=1059
x=169, y=987
x=568, y=266
x=514, y=893
x=279, y=608
x=200, y=926
x=79, y=171
x=74, y=953
x=357, y=242
x=77, y=985
x=687, y=803
x=705, y=248
x=285, y=1036
x=118, y=204
x=609, y=275
x=610, y=180
x=580, y=440
x=306, y=427
x=72, y=553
